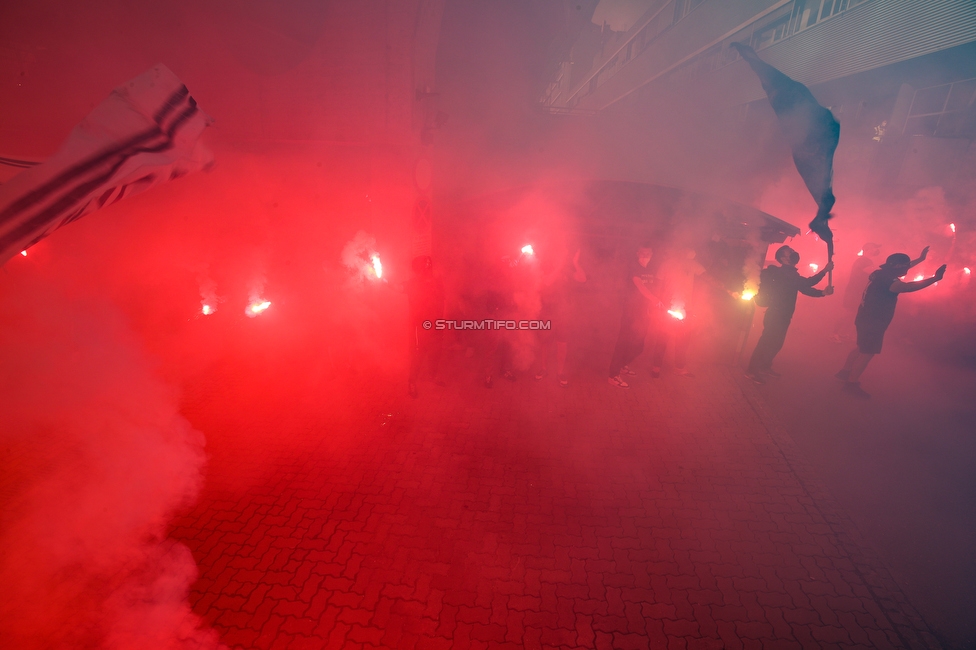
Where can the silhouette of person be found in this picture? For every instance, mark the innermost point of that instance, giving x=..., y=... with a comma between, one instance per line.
x=778, y=287
x=876, y=312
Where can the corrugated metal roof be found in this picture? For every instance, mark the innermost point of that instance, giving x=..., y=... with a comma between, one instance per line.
x=872, y=35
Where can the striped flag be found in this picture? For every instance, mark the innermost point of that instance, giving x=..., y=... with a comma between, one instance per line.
x=146, y=132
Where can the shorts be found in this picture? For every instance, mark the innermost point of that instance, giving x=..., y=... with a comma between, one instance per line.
x=870, y=336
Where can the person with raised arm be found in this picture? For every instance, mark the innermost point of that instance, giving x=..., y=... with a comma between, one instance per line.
x=778, y=287
x=876, y=312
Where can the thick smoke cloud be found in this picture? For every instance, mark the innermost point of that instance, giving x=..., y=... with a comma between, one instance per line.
x=98, y=461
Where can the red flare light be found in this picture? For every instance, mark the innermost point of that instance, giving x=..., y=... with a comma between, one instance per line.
x=952, y=227
x=748, y=295
x=377, y=266
x=966, y=270
x=257, y=307
x=814, y=266
x=677, y=313
x=207, y=310
x=24, y=253
x=860, y=253
x=527, y=250
x=919, y=277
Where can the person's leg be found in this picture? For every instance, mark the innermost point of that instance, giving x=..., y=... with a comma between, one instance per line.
x=630, y=343
x=638, y=336
x=617, y=358
x=758, y=354
x=870, y=337
x=853, y=384
x=762, y=355
x=775, y=333
x=770, y=343
x=658, y=350
x=776, y=343
x=660, y=346
x=682, y=340
x=844, y=373
x=622, y=350
x=544, y=342
x=858, y=366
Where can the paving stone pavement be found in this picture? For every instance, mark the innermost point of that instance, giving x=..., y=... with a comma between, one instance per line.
x=673, y=515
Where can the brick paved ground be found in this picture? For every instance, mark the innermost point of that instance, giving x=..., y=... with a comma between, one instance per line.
x=672, y=515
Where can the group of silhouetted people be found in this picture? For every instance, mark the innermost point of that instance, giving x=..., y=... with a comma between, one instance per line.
x=875, y=294
x=657, y=300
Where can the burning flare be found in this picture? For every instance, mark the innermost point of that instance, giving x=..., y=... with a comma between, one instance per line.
x=748, y=295
x=527, y=250
x=257, y=307
x=814, y=266
x=360, y=257
x=860, y=253
x=24, y=253
x=919, y=277
x=952, y=227
x=677, y=313
x=207, y=310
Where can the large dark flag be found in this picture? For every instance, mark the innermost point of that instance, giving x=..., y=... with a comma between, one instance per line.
x=812, y=132
x=146, y=132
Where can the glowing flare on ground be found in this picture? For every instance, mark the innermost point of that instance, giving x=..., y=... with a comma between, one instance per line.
x=258, y=307
x=814, y=266
x=748, y=295
x=527, y=250
x=377, y=265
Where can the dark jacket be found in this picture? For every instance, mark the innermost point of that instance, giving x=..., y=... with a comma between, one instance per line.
x=778, y=286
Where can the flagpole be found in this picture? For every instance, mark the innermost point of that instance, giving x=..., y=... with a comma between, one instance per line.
x=830, y=258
